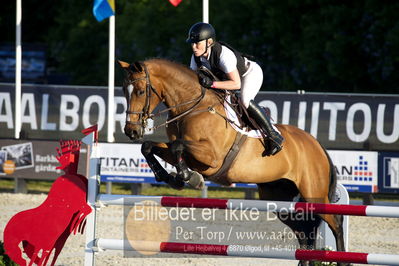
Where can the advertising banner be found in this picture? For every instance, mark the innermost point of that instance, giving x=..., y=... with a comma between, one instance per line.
x=33, y=159
x=388, y=165
x=356, y=170
x=125, y=163
x=338, y=121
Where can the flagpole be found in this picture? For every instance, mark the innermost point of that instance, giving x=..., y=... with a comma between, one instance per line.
x=111, y=81
x=205, y=19
x=205, y=11
x=18, y=68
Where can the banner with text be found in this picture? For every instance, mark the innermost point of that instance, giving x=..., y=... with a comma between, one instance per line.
x=33, y=159
x=358, y=171
x=338, y=121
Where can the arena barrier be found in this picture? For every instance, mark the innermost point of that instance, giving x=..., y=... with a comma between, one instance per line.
x=94, y=244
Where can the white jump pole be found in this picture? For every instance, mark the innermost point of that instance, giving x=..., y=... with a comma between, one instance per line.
x=255, y=251
x=92, y=191
x=260, y=205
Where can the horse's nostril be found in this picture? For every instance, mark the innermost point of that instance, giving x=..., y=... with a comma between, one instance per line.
x=127, y=131
x=132, y=133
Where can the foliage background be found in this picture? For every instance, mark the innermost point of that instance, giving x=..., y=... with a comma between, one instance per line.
x=312, y=45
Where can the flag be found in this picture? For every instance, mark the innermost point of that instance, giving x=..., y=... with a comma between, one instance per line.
x=175, y=2
x=103, y=9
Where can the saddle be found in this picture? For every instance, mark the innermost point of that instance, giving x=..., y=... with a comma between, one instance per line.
x=233, y=100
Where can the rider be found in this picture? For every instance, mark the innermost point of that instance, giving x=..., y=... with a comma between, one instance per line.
x=234, y=71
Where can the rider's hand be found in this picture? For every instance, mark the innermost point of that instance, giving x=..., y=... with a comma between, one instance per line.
x=204, y=80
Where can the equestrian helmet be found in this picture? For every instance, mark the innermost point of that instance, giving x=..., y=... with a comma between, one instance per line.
x=200, y=31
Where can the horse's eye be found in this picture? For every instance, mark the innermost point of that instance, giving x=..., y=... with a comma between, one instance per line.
x=140, y=92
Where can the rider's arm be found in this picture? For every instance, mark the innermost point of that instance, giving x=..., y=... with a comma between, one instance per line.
x=228, y=64
x=233, y=83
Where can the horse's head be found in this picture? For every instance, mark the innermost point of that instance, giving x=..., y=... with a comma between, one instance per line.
x=141, y=98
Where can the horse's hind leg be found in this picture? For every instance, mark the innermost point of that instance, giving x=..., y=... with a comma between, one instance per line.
x=335, y=222
x=304, y=226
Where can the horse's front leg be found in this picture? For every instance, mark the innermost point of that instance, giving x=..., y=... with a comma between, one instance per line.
x=183, y=172
x=193, y=178
x=148, y=149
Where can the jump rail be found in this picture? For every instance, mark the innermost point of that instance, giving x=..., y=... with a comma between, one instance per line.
x=249, y=251
x=261, y=205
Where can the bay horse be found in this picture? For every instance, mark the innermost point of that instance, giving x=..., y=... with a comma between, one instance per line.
x=200, y=139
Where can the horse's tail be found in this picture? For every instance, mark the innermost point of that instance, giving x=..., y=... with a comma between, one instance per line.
x=333, y=177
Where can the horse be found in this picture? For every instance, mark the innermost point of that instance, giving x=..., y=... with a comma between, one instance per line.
x=200, y=138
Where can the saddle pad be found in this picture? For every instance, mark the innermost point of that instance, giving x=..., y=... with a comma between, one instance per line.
x=235, y=123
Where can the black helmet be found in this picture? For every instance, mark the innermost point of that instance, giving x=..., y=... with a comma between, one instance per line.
x=200, y=31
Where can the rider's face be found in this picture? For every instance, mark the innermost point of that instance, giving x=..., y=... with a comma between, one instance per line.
x=199, y=48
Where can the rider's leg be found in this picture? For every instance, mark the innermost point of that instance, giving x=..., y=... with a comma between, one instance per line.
x=250, y=86
x=260, y=116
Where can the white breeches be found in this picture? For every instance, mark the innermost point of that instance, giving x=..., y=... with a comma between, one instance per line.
x=251, y=82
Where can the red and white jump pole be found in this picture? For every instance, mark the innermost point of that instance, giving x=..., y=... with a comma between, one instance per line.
x=257, y=251
x=260, y=205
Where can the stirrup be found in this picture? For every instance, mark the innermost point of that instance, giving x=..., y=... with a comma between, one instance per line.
x=275, y=148
x=274, y=145
x=271, y=148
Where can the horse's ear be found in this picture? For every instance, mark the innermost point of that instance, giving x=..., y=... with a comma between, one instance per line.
x=136, y=67
x=124, y=65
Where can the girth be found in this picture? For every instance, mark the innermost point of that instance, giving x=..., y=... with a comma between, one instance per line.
x=229, y=159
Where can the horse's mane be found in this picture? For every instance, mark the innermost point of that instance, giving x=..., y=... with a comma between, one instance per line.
x=183, y=73
x=178, y=66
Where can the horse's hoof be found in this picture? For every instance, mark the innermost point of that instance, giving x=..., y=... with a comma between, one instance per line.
x=175, y=182
x=161, y=175
x=196, y=180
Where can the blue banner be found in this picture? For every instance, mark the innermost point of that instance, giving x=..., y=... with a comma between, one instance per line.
x=388, y=172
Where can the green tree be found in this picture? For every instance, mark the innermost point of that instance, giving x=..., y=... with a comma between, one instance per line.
x=312, y=45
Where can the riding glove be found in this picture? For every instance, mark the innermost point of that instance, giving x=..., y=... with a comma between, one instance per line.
x=204, y=80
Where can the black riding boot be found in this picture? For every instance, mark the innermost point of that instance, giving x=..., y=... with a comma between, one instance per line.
x=260, y=116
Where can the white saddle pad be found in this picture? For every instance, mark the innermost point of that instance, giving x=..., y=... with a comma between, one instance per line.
x=235, y=122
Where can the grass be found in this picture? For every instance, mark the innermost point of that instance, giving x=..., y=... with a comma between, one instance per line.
x=38, y=187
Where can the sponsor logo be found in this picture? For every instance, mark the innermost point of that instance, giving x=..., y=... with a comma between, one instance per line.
x=391, y=172
x=359, y=172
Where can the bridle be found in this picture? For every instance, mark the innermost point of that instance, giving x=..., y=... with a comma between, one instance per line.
x=146, y=114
